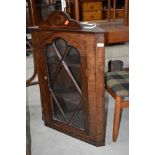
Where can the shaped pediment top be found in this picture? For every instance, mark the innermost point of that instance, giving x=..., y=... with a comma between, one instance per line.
x=60, y=20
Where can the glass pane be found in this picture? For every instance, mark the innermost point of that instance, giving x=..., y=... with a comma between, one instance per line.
x=57, y=113
x=52, y=61
x=73, y=62
x=61, y=45
x=63, y=64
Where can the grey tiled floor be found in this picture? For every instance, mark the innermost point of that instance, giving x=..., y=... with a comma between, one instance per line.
x=47, y=141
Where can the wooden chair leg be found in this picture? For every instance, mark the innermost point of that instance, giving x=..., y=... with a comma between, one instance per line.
x=116, y=118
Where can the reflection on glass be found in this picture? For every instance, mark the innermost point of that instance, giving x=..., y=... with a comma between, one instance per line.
x=63, y=65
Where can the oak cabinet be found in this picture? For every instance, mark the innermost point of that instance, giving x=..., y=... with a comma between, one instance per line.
x=70, y=64
x=91, y=10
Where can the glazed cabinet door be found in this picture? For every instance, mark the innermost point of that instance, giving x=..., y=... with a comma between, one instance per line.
x=64, y=75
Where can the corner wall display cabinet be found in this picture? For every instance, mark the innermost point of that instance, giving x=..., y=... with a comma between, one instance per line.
x=70, y=64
